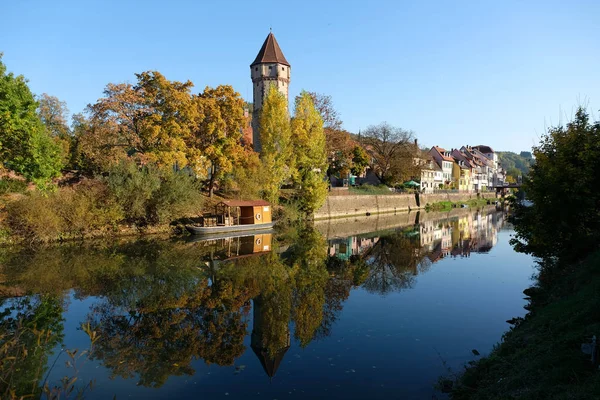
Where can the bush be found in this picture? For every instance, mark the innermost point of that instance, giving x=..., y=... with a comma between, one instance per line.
x=178, y=195
x=144, y=196
x=65, y=213
x=150, y=196
x=35, y=218
x=8, y=185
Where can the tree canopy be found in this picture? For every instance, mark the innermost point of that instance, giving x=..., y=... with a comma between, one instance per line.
x=393, y=151
x=563, y=183
x=275, y=138
x=25, y=146
x=310, y=160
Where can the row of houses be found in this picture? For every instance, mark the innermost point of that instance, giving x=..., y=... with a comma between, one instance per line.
x=468, y=169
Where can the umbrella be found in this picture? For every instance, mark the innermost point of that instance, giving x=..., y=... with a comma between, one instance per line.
x=412, y=183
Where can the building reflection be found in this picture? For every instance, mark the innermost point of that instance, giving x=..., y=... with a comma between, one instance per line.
x=232, y=247
x=458, y=236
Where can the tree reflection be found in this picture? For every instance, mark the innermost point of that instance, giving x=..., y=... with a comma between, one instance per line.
x=160, y=305
x=393, y=263
x=30, y=328
x=308, y=262
x=156, y=324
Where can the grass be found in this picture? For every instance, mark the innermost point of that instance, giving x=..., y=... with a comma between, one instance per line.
x=370, y=190
x=541, y=357
x=448, y=205
x=8, y=185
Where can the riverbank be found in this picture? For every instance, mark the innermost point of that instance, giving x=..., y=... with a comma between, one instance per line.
x=449, y=205
x=541, y=356
x=357, y=205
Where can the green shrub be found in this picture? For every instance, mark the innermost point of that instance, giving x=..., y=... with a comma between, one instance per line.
x=8, y=185
x=150, y=196
x=132, y=188
x=178, y=195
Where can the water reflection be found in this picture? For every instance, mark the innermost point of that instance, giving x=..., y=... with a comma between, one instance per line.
x=158, y=306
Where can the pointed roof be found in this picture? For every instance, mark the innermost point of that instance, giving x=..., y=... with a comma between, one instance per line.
x=270, y=364
x=270, y=52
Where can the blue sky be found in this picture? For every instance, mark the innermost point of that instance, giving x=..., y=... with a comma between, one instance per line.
x=454, y=72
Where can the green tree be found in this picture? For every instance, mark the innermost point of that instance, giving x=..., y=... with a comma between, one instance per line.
x=25, y=146
x=54, y=114
x=275, y=138
x=218, y=129
x=360, y=160
x=563, y=222
x=310, y=160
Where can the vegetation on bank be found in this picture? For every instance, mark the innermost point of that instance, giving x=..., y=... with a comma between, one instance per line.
x=448, y=205
x=541, y=357
x=143, y=155
x=127, y=195
x=515, y=164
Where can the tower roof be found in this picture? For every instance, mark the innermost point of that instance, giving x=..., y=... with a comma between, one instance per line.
x=270, y=52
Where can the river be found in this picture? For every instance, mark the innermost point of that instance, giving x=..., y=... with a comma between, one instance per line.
x=373, y=307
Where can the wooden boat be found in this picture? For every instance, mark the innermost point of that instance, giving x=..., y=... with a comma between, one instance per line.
x=235, y=216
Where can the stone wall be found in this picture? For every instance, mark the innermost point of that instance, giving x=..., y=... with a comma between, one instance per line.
x=347, y=206
x=344, y=227
x=355, y=205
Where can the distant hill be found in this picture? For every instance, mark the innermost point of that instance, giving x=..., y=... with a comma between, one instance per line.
x=515, y=164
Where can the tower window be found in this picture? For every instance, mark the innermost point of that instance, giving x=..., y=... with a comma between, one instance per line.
x=256, y=68
x=283, y=68
x=270, y=67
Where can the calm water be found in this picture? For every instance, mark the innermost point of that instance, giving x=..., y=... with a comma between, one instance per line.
x=377, y=307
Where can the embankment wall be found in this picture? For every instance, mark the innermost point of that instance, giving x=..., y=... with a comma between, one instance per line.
x=349, y=206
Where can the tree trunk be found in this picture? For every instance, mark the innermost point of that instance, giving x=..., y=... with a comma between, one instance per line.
x=211, y=183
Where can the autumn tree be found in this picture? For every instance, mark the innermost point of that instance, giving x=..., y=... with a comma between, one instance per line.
x=338, y=142
x=360, y=160
x=310, y=160
x=149, y=121
x=324, y=105
x=25, y=146
x=275, y=138
x=392, y=150
x=218, y=129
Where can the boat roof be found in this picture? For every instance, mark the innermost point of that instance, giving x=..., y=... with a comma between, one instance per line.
x=245, y=203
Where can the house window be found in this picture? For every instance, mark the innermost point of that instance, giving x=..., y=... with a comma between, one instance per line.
x=270, y=67
x=256, y=68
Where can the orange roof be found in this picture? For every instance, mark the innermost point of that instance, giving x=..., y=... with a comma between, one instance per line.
x=442, y=151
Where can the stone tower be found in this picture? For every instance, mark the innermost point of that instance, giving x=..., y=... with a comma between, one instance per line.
x=269, y=68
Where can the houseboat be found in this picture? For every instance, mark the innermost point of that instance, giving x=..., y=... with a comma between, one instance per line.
x=235, y=216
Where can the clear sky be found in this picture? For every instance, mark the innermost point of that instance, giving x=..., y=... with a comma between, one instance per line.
x=454, y=72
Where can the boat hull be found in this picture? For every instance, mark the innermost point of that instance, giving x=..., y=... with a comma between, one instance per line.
x=213, y=230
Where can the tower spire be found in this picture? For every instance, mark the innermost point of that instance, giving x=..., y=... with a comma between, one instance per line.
x=269, y=68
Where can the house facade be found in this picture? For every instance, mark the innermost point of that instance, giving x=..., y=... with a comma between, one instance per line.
x=428, y=174
x=445, y=161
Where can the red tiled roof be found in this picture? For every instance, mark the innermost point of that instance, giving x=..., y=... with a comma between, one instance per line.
x=270, y=52
x=442, y=151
